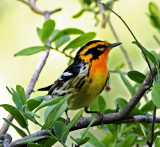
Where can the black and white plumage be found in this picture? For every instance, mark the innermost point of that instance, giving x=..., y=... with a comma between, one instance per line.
x=71, y=80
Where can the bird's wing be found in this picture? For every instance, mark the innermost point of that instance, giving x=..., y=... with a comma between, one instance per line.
x=67, y=76
x=66, y=83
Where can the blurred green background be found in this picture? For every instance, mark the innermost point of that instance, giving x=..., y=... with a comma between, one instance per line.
x=18, y=30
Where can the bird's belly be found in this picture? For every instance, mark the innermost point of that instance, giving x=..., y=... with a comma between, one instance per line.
x=88, y=94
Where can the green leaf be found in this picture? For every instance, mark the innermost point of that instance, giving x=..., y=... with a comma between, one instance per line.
x=149, y=55
x=122, y=103
x=148, y=106
x=39, y=32
x=16, y=114
x=9, y=90
x=83, y=139
x=21, y=91
x=128, y=129
x=17, y=99
x=98, y=105
x=34, y=102
x=58, y=113
x=29, y=114
x=156, y=39
x=81, y=40
x=34, y=145
x=154, y=15
x=60, y=41
x=47, y=30
x=128, y=142
x=107, y=111
x=86, y=130
x=80, y=141
x=136, y=76
x=127, y=83
x=59, y=127
x=156, y=93
x=113, y=129
x=49, y=103
x=50, y=120
x=139, y=129
x=32, y=139
x=87, y=2
x=141, y=142
x=108, y=140
x=93, y=140
x=67, y=31
x=49, y=142
x=72, y=122
x=109, y=3
x=19, y=131
x=157, y=56
x=31, y=50
x=157, y=142
x=78, y=14
x=153, y=9
x=32, y=114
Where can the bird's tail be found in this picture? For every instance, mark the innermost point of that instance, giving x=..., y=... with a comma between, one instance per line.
x=45, y=88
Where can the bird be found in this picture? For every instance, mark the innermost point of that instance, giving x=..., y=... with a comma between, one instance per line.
x=85, y=78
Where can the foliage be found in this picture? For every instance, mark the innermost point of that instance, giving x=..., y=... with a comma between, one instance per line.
x=115, y=135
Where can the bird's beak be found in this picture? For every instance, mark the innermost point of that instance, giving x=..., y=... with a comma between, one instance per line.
x=114, y=45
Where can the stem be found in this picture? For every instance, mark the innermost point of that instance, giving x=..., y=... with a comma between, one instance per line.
x=64, y=53
x=28, y=131
x=153, y=126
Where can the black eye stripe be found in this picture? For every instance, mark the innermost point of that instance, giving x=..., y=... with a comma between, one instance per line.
x=101, y=46
x=95, y=51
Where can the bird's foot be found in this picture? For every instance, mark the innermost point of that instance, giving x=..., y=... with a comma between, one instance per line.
x=101, y=117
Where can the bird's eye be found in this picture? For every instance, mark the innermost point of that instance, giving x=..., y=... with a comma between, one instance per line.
x=99, y=46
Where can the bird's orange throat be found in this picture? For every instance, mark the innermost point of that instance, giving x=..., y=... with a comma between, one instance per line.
x=99, y=65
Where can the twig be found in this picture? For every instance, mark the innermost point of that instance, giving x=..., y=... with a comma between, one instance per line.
x=6, y=139
x=121, y=46
x=37, y=73
x=46, y=14
x=117, y=118
x=65, y=54
x=115, y=34
x=32, y=5
x=115, y=71
x=153, y=126
x=133, y=37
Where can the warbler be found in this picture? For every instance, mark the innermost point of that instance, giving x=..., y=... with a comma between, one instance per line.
x=85, y=78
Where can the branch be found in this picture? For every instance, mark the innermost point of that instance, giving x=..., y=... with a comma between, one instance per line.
x=46, y=14
x=84, y=122
x=117, y=118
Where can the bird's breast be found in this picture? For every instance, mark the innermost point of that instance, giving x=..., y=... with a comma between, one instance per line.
x=92, y=87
